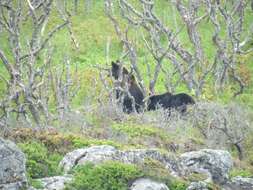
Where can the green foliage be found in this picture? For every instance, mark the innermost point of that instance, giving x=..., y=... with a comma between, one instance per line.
x=139, y=130
x=36, y=183
x=39, y=163
x=55, y=142
x=176, y=184
x=243, y=172
x=107, y=176
x=79, y=142
x=135, y=130
x=156, y=170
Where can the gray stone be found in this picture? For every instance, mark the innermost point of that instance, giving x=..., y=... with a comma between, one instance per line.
x=197, y=186
x=12, y=166
x=94, y=154
x=239, y=183
x=214, y=163
x=99, y=154
x=138, y=156
x=148, y=184
x=54, y=183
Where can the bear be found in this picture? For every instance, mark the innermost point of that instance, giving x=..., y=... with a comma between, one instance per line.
x=133, y=99
x=155, y=100
x=170, y=101
x=116, y=69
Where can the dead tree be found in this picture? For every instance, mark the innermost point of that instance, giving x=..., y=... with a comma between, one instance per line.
x=129, y=47
x=189, y=65
x=228, y=47
x=234, y=130
x=25, y=72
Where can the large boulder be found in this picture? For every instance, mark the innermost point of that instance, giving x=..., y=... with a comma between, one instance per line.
x=138, y=156
x=54, y=183
x=94, y=154
x=197, y=186
x=148, y=184
x=214, y=163
x=99, y=154
x=239, y=183
x=12, y=166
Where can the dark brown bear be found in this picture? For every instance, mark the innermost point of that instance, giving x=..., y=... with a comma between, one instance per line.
x=170, y=101
x=133, y=97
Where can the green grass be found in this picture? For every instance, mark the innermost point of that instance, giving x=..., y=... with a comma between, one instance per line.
x=93, y=30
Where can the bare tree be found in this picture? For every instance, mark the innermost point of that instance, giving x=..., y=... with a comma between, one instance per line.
x=25, y=72
x=87, y=5
x=189, y=65
x=223, y=125
x=128, y=45
x=229, y=46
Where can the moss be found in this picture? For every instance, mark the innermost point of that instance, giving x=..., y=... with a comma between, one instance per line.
x=196, y=177
x=155, y=170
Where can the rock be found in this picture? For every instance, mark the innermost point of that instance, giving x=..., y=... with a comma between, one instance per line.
x=148, y=184
x=54, y=183
x=94, y=154
x=215, y=163
x=138, y=156
x=12, y=166
x=240, y=183
x=99, y=154
x=197, y=186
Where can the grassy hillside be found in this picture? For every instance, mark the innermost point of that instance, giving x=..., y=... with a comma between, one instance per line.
x=94, y=122
x=93, y=30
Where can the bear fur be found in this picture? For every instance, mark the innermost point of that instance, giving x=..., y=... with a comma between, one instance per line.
x=170, y=101
x=133, y=98
x=117, y=72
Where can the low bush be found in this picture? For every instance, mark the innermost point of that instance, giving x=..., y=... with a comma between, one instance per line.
x=241, y=172
x=39, y=162
x=107, y=176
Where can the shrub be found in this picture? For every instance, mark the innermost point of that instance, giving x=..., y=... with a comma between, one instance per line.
x=107, y=176
x=157, y=171
x=176, y=184
x=39, y=162
x=241, y=172
x=54, y=141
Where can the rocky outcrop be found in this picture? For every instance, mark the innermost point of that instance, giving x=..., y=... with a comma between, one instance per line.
x=138, y=156
x=12, y=166
x=197, y=186
x=54, y=183
x=148, y=184
x=239, y=183
x=99, y=154
x=214, y=163
x=94, y=154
